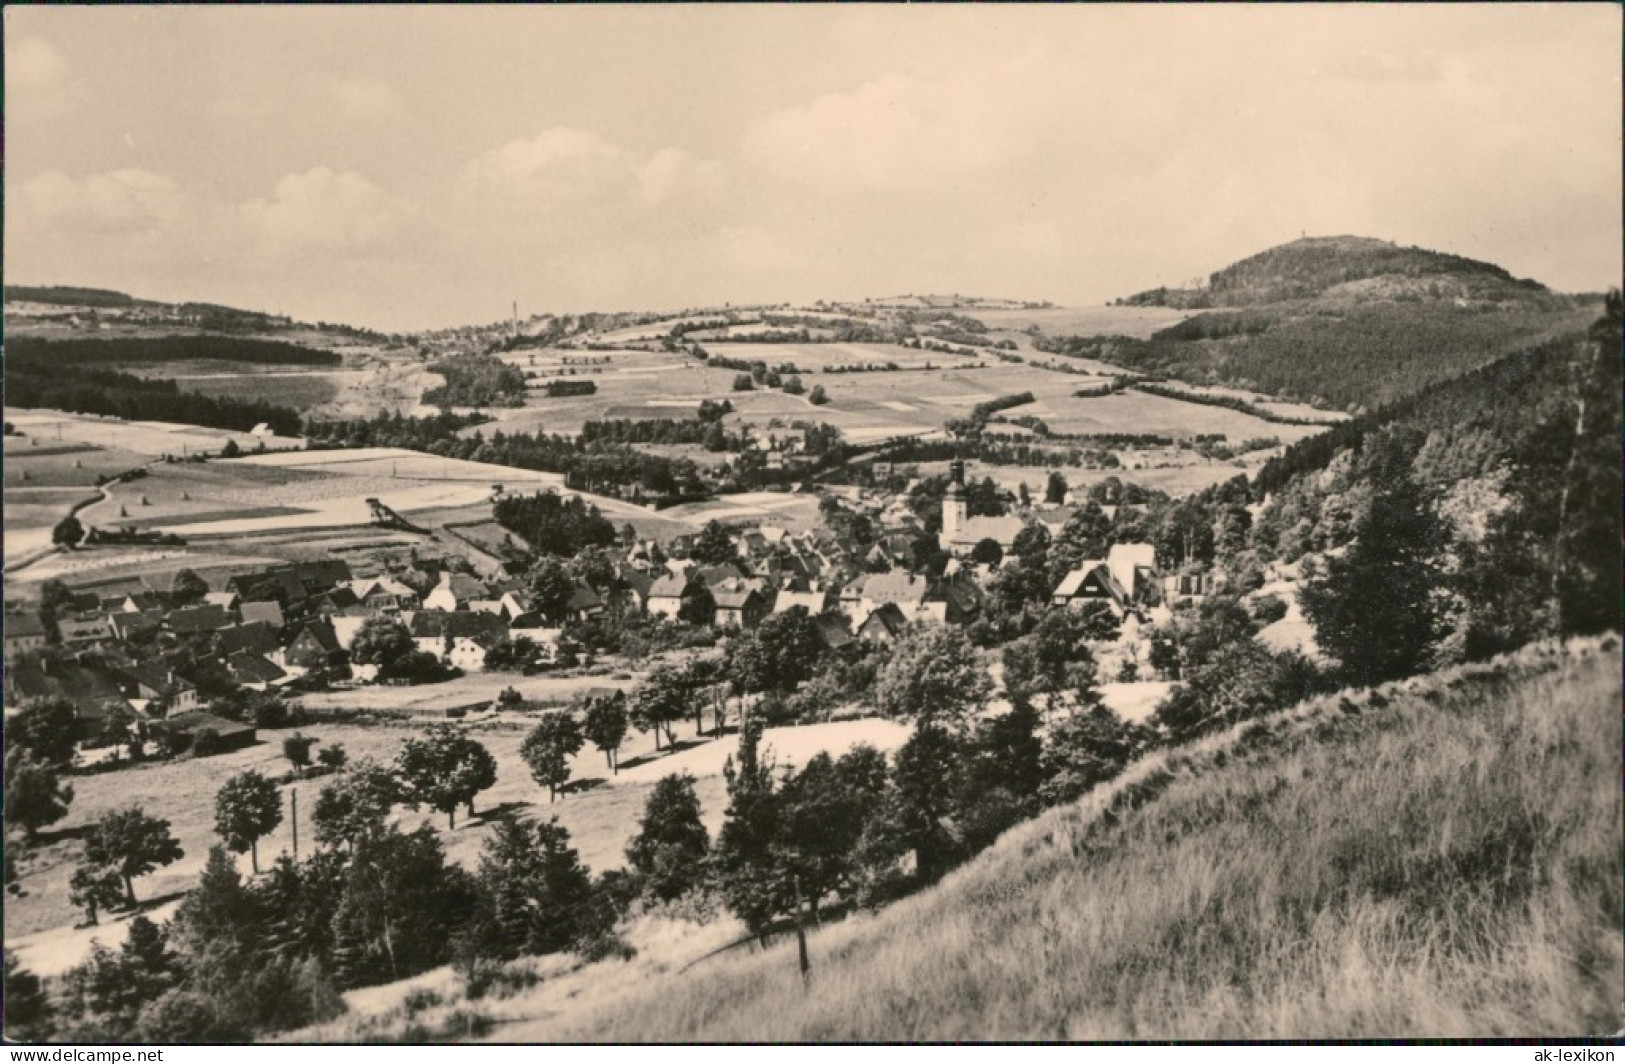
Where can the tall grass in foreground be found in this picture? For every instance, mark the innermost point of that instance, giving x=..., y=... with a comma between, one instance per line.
x=1437, y=858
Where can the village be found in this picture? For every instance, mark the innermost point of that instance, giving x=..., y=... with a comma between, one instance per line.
x=136, y=659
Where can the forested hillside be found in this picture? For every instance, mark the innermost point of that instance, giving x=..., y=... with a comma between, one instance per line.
x=1349, y=267
x=1342, y=322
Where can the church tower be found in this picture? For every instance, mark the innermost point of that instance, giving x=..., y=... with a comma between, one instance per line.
x=954, y=507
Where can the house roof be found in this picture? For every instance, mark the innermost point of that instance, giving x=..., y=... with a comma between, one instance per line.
x=80, y=685
x=253, y=668
x=320, y=632
x=735, y=598
x=224, y=599
x=669, y=587
x=256, y=637
x=82, y=629
x=834, y=632
x=1001, y=530
x=888, y=618
x=813, y=602
x=1123, y=559
x=204, y=618
x=897, y=586
x=717, y=574
x=462, y=586
x=262, y=612
x=583, y=597
x=192, y=722
x=23, y=625
x=427, y=624
x=1073, y=583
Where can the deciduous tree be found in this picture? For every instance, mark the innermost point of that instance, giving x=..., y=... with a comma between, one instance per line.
x=246, y=810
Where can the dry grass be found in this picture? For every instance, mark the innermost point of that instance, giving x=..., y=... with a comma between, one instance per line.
x=1442, y=860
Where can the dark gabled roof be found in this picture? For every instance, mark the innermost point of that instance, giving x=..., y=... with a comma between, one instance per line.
x=255, y=637
x=321, y=632
x=712, y=575
x=23, y=625
x=888, y=617
x=426, y=624
x=735, y=598
x=322, y=573
x=80, y=685
x=198, y=619
x=583, y=597
x=253, y=668
x=192, y=722
x=463, y=586
x=834, y=631
x=268, y=612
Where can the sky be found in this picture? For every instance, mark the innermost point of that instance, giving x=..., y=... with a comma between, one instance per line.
x=417, y=167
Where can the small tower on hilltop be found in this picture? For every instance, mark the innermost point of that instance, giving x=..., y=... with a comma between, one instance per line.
x=954, y=507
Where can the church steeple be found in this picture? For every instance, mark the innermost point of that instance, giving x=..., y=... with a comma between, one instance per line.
x=954, y=507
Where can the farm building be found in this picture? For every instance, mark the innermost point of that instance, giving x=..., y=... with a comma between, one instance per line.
x=188, y=728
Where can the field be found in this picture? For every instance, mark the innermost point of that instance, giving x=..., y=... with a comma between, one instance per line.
x=1138, y=322
x=151, y=438
x=302, y=389
x=1442, y=861
x=601, y=815
x=794, y=513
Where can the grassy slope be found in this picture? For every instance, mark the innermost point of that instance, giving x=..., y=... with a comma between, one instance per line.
x=1441, y=861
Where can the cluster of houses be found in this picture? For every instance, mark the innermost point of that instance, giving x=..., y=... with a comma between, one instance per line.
x=128, y=649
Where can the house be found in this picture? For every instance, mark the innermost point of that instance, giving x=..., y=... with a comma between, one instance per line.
x=910, y=593
x=146, y=683
x=454, y=592
x=715, y=575
x=739, y=607
x=884, y=625
x=961, y=532
x=269, y=613
x=187, y=727
x=584, y=603
x=84, y=630
x=1090, y=582
x=314, y=645
x=1187, y=587
x=670, y=595
x=95, y=696
x=347, y=624
x=198, y=620
x=438, y=632
x=384, y=593
x=128, y=626
x=332, y=601
x=814, y=602
x=255, y=637
x=962, y=600
x=226, y=600
x=635, y=588
x=254, y=671
x=23, y=632
x=835, y=632
x=1134, y=567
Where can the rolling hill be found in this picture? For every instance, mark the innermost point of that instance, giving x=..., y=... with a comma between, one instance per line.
x=1345, y=322
x=1433, y=858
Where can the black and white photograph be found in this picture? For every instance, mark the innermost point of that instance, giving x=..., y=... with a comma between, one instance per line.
x=798, y=524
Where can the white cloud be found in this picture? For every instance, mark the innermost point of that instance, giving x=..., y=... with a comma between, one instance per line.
x=565, y=168
x=34, y=63
x=903, y=132
x=327, y=212
x=121, y=201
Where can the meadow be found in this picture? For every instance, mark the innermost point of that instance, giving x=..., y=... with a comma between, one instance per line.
x=1436, y=858
x=601, y=812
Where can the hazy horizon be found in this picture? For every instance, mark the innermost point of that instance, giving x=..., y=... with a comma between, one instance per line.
x=409, y=168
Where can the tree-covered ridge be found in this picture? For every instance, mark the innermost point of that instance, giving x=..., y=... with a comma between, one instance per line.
x=1358, y=357
x=94, y=391
x=37, y=351
x=1318, y=266
x=69, y=296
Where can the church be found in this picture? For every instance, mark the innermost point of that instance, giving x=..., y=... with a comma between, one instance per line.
x=960, y=531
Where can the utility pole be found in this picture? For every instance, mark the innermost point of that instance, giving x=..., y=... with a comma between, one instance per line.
x=295, y=793
x=801, y=935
